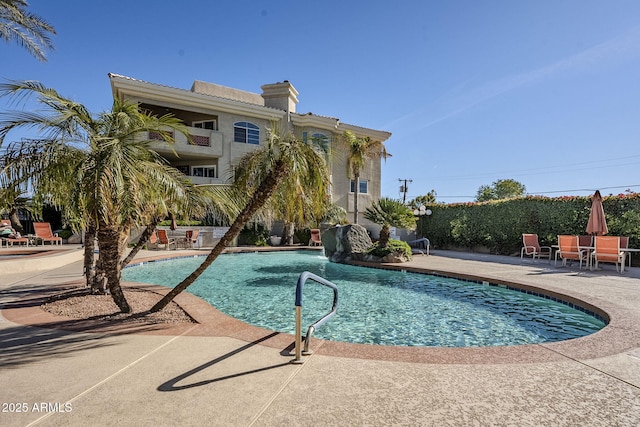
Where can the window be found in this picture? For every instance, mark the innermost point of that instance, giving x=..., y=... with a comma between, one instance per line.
x=246, y=132
x=204, y=171
x=364, y=186
x=316, y=138
x=206, y=124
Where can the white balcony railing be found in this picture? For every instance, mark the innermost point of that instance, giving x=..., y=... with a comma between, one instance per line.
x=203, y=142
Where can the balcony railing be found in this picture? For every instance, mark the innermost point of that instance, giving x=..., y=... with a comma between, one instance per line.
x=203, y=142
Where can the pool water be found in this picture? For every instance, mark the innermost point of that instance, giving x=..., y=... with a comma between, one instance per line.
x=375, y=306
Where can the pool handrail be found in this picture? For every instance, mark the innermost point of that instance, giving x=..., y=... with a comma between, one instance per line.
x=301, y=281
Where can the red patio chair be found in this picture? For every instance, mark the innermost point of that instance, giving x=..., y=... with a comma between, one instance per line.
x=44, y=234
x=532, y=248
x=569, y=249
x=607, y=249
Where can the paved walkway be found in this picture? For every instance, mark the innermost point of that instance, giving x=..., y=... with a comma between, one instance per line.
x=217, y=373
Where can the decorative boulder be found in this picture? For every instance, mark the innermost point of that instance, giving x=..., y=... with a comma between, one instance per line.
x=344, y=243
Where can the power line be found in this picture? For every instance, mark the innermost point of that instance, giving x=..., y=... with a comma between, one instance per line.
x=596, y=164
x=534, y=193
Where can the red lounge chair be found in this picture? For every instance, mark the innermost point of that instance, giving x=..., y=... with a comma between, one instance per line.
x=165, y=240
x=44, y=234
x=607, y=249
x=569, y=249
x=315, y=238
x=191, y=238
x=531, y=247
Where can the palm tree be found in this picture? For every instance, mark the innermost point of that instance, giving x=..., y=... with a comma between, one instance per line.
x=389, y=213
x=260, y=173
x=28, y=30
x=359, y=152
x=302, y=200
x=100, y=169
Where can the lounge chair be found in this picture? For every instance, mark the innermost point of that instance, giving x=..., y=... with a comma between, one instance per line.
x=532, y=248
x=607, y=249
x=165, y=240
x=191, y=238
x=585, y=241
x=315, y=237
x=569, y=249
x=152, y=242
x=44, y=234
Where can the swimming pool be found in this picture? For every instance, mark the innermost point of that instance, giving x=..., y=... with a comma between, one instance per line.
x=376, y=306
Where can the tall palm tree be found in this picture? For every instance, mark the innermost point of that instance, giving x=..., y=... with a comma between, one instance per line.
x=28, y=30
x=389, y=213
x=260, y=173
x=100, y=169
x=359, y=152
x=301, y=200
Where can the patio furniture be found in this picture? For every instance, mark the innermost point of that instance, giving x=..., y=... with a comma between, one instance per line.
x=44, y=234
x=569, y=249
x=585, y=241
x=315, y=237
x=153, y=241
x=607, y=249
x=532, y=248
x=191, y=238
x=165, y=240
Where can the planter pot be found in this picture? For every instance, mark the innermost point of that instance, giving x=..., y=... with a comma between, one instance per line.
x=275, y=240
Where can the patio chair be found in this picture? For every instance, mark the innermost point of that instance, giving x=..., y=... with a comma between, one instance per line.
x=191, y=238
x=315, y=237
x=44, y=234
x=585, y=241
x=165, y=240
x=607, y=249
x=624, y=244
x=153, y=241
x=532, y=248
x=569, y=249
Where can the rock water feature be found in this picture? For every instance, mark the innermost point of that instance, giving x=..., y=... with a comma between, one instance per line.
x=351, y=243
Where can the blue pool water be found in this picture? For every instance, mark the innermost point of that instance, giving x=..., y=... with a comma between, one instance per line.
x=375, y=306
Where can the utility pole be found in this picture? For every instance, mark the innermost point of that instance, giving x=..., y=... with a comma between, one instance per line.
x=404, y=189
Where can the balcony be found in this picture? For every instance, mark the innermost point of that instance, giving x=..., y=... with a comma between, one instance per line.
x=199, y=180
x=203, y=143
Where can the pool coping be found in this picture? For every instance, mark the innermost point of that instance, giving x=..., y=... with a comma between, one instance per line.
x=614, y=338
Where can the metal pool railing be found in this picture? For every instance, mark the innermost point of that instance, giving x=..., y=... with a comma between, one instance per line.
x=301, y=281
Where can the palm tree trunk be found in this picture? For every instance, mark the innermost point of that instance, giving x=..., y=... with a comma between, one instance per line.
x=110, y=253
x=89, y=258
x=15, y=221
x=144, y=238
x=287, y=233
x=385, y=232
x=259, y=198
x=356, y=190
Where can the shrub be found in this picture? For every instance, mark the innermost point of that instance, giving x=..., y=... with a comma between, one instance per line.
x=392, y=247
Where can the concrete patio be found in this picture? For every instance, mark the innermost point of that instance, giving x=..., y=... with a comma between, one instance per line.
x=222, y=372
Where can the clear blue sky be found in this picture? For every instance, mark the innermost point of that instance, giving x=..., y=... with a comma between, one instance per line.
x=545, y=92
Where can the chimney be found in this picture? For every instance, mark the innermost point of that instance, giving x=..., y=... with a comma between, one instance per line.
x=282, y=96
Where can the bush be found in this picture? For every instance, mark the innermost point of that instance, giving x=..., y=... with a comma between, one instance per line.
x=393, y=246
x=65, y=234
x=498, y=225
x=253, y=235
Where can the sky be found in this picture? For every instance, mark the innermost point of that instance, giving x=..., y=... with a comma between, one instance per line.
x=544, y=92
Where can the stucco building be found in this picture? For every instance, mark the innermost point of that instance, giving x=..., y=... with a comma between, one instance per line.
x=226, y=123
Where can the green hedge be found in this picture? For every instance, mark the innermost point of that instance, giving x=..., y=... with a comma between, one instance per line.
x=498, y=225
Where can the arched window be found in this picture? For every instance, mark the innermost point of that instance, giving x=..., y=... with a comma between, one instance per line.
x=246, y=132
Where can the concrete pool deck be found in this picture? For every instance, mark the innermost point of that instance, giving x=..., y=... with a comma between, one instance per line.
x=223, y=372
